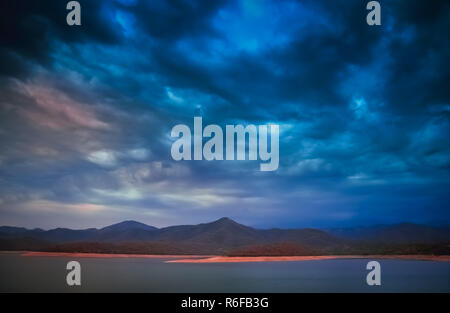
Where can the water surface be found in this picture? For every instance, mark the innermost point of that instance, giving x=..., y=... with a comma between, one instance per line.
x=48, y=274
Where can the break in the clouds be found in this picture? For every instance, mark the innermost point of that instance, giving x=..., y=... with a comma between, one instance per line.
x=86, y=111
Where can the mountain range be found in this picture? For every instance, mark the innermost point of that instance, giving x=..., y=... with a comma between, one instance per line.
x=227, y=237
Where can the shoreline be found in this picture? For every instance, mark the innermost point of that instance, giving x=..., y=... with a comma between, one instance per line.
x=234, y=259
x=226, y=259
x=108, y=255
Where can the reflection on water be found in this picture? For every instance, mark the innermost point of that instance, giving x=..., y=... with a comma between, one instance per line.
x=48, y=274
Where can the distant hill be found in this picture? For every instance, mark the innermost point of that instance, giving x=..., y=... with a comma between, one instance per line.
x=23, y=243
x=124, y=231
x=227, y=237
x=397, y=233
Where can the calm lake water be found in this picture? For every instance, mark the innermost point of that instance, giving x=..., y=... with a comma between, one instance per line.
x=48, y=274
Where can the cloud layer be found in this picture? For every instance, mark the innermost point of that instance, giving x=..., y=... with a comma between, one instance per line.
x=86, y=112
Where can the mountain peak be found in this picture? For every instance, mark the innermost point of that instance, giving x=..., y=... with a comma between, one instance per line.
x=225, y=220
x=129, y=224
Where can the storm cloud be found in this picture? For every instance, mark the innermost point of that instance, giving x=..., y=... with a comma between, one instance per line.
x=86, y=111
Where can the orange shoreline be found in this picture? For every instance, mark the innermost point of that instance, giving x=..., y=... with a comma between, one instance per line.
x=227, y=259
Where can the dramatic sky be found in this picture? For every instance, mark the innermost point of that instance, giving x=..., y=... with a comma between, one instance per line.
x=86, y=111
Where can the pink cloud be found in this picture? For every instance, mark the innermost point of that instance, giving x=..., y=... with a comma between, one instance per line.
x=55, y=109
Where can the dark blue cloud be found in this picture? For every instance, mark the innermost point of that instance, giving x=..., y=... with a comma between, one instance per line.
x=86, y=111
